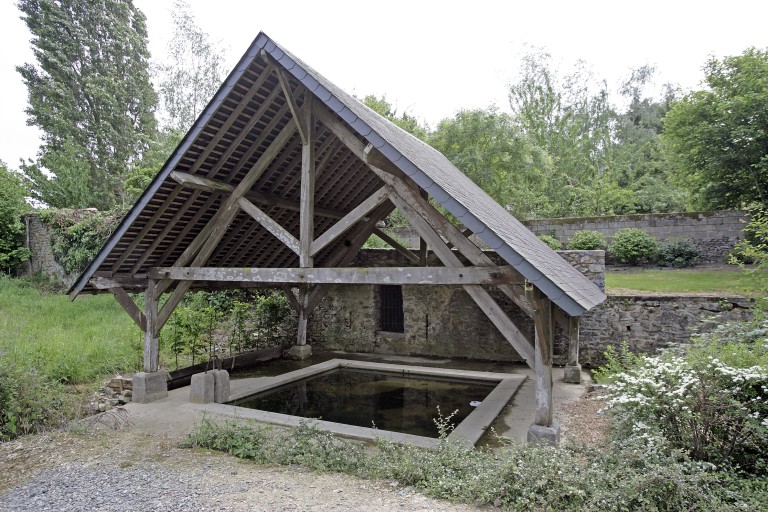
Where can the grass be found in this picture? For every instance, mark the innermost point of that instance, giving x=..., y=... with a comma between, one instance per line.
x=730, y=281
x=69, y=342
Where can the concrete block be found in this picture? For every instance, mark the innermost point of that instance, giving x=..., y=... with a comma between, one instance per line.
x=299, y=352
x=148, y=387
x=572, y=374
x=220, y=386
x=202, y=388
x=544, y=436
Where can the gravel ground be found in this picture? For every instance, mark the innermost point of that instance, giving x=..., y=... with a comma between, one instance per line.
x=128, y=470
x=121, y=471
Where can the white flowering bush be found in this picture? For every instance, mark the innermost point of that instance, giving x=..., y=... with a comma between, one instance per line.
x=711, y=400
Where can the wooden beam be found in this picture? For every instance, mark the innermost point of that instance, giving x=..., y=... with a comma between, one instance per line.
x=170, y=305
x=107, y=283
x=207, y=184
x=291, y=298
x=288, y=93
x=483, y=299
x=151, y=343
x=452, y=234
x=130, y=307
x=350, y=219
x=573, y=341
x=203, y=245
x=397, y=246
x=270, y=225
x=355, y=275
x=545, y=326
x=307, y=212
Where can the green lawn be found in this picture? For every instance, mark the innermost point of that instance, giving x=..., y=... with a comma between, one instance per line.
x=730, y=281
x=73, y=342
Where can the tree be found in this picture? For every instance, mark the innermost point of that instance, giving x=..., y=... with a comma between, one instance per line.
x=640, y=160
x=90, y=95
x=192, y=74
x=405, y=121
x=12, y=206
x=492, y=151
x=719, y=135
x=571, y=119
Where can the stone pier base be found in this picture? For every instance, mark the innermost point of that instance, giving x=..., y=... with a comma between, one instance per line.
x=148, y=387
x=201, y=388
x=572, y=374
x=220, y=386
x=544, y=436
x=299, y=352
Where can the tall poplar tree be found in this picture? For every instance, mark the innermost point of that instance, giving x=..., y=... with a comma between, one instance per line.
x=90, y=94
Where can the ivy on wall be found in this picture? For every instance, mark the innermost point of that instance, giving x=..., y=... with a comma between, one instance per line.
x=77, y=235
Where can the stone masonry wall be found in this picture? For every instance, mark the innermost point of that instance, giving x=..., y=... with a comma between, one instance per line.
x=443, y=321
x=714, y=233
x=41, y=258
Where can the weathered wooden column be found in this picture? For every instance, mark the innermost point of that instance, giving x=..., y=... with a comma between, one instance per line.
x=543, y=430
x=572, y=370
x=306, y=223
x=150, y=385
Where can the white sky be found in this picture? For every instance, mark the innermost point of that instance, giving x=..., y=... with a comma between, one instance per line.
x=433, y=58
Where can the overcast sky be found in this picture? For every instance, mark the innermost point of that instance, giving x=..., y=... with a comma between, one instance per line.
x=433, y=58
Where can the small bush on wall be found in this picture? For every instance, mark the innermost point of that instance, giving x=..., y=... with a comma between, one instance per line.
x=678, y=253
x=551, y=241
x=633, y=246
x=587, y=240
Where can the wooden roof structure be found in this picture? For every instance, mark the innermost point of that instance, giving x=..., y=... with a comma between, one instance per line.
x=284, y=177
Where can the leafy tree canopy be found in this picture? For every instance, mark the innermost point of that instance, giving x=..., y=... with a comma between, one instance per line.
x=89, y=93
x=405, y=121
x=12, y=206
x=192, y=73
x=719, y=135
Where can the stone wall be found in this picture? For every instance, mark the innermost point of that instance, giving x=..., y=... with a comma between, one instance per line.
x=38, y=238
x=443, y=321
x=714, y=233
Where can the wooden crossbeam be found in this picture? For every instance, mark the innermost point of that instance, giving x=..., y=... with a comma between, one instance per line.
x=350, y=219
x=354, y=275
x=270, y=225
x=201, y=183
x=108, y=283
x=288, y=93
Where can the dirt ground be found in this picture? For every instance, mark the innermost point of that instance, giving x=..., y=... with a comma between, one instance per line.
x=264, y=487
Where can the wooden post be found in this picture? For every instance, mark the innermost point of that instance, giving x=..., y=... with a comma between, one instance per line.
x=572, y=371
x=543, y=430
x=151, y=345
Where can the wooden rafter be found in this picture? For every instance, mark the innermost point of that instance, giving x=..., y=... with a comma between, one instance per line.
x=130, y=307
x=397, y=246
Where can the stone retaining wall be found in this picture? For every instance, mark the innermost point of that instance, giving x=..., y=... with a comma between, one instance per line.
x=714, y=233
x=41, y=258
x=443, y=321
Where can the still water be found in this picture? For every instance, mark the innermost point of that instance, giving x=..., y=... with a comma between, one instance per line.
x=366, y=399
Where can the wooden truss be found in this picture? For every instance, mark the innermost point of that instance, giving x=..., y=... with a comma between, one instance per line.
x=450, y=245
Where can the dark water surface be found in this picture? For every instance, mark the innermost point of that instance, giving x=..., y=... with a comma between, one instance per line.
x=365, y=398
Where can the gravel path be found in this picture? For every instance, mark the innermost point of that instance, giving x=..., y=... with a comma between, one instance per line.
x=121, y=471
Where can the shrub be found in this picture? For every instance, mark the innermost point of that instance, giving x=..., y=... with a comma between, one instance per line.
x=677, y=253
x=12, y=206
x=586, y=240
x=710, y=401
x=633, y=246
x=551, y=241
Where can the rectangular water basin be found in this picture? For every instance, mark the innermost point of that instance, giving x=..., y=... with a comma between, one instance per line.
x=351, y=396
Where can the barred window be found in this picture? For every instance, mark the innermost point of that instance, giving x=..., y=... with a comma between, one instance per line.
x=391, y=304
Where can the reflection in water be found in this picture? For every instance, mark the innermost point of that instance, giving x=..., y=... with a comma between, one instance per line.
x=363, y=398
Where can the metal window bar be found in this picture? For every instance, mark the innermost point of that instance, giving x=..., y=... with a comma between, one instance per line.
x=391, y=303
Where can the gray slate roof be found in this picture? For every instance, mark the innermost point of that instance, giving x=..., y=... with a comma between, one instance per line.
x=540, y=265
